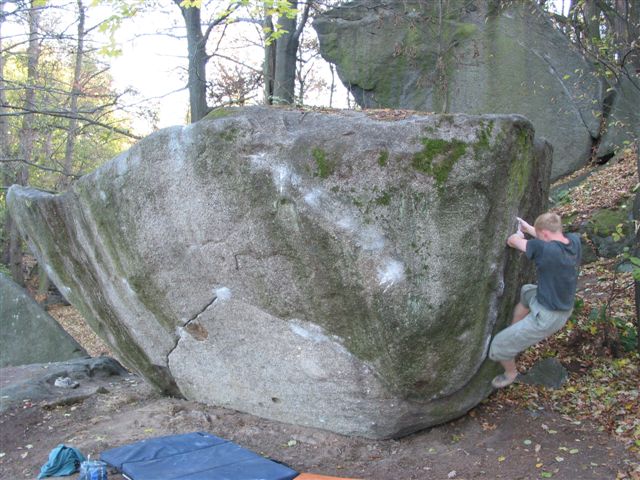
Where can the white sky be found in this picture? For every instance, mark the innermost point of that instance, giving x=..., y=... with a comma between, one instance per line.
x=155, y=65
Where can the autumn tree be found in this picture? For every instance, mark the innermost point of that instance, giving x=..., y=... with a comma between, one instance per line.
x=607, y=32
x=60, y=115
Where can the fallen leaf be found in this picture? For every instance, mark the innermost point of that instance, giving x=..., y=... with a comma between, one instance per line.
x=501, y=458
x=559, y=459
x=538, y=447
x=292, y=443
x=527, y=442
x=452, y=474
x=573, y=451
x=488, y=426
x=539, y=465
x=24, y=455
x=546, y=474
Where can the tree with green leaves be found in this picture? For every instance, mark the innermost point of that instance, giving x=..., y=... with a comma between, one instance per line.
x=197, y=37
x=281, y=48
x=60, y=114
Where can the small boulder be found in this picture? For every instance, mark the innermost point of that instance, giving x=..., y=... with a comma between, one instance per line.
x=28, y=334
x=548, y=372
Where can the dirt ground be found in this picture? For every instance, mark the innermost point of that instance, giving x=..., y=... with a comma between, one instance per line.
x=493, y=441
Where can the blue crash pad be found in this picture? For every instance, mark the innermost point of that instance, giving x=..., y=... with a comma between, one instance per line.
x=193, y=456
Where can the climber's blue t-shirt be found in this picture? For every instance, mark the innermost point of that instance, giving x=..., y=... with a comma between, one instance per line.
x=557, y=267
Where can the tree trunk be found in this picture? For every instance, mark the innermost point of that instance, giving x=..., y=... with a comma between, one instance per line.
x=619, y=28
x=4, y=127
x=633, y=33
x=196, y=43
x=591, y=15
x=27, y=133
x=333, y=84
x=73, y=104
x=6, y=168
x=285, y=68
x=269, y=66
x=286, y=51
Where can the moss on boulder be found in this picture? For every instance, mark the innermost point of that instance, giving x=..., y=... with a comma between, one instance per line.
x=472, y=57
x=356, y=280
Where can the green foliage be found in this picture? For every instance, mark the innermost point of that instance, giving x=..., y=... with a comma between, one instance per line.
x=563, y=197
x=123, y=10
x=609, y=221
x=635, y=261
x=625, y=331
x=280, y=8
x=4, y=269
x=618, y=233
x=94, y=144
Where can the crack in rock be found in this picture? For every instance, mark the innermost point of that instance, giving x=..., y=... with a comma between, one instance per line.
x=198, y=333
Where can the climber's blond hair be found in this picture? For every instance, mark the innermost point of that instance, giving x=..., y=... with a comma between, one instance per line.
x=548, y=221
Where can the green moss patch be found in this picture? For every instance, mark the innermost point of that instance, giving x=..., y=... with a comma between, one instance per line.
x=383, y=158
x=604, y=222
x=521, y=167
x=484, y=135
x=220, y=113
x=324, y=166
x=384, y=199
x=438, y=157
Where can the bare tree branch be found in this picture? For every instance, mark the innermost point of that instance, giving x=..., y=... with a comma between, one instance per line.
x=40, y=167
x=303, y=21
x=230, y=9
x=238, y=62
x=19, y=111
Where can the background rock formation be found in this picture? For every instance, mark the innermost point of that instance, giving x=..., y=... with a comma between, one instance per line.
x=471, y=57
x=28, y=334
x=334, y=270
x=622, y=122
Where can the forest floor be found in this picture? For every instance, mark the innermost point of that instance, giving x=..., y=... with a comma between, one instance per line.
x=587, y=429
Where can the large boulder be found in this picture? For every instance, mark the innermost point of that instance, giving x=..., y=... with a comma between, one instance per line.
x=471, y=57
x=28, y=334
x=337, y=270
x=622, y=122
